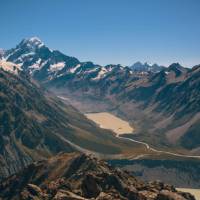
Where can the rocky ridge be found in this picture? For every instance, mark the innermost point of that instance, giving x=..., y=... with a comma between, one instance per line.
x=77, y=176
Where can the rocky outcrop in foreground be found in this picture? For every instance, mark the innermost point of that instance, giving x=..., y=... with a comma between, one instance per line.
x=76, y=177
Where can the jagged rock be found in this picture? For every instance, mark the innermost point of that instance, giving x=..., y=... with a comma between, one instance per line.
x=148, y=195
x=76, y=177
x=33, y=192
x=90, y=187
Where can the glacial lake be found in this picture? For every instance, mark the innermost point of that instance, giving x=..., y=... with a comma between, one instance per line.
x=109, y=121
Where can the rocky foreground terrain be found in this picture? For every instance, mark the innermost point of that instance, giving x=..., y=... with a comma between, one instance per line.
x=76, y=176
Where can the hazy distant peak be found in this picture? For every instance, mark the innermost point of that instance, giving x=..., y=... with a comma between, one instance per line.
x=146, y=67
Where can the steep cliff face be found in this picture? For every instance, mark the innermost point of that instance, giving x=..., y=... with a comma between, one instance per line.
x=77, y=176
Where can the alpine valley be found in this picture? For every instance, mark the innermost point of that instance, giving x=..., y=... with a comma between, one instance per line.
x=44, y=96
x=164, y=105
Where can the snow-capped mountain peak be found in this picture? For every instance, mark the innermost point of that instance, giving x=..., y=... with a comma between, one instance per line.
x=28, y=51
x=33, y=42
x=43, y=64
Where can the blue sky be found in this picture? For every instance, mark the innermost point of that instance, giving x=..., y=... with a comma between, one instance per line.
x=108, y=31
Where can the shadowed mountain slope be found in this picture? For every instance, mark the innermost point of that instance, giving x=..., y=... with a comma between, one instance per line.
x=35, y=124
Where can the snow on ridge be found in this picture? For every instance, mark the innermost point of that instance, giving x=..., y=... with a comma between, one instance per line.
x=33, y=42
x=73, y=70
x=9, y=66
x=36, y=65
x=34, y=39
x=91, y=70
x=101, y=73
x=27, y=55
x=23, y=56
x=44, y=63
x=109, y=68
x=130, y=72
x=57, y=66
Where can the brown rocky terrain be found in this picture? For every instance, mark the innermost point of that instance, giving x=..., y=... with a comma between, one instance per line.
x=75, y=176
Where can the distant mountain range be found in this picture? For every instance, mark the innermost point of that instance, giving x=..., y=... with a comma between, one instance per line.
x=164, y=105
x=139, y=67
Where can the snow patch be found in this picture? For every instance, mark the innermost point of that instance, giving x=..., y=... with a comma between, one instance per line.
x=35, y=41
x=57, y=66
x=27, y=55
x=92, y=70
x=101, y=74
x=10, y=67
x=36, y=65
x=73, y=70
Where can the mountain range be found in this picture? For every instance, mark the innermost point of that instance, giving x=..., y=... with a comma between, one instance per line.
x=163, y=105
x=45, y=93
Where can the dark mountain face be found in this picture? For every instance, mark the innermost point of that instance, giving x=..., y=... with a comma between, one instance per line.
x=25, y=115
x=35, y=125
x=79, y=177
x=163, y=105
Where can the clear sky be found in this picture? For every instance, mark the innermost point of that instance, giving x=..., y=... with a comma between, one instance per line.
x=108, y=31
